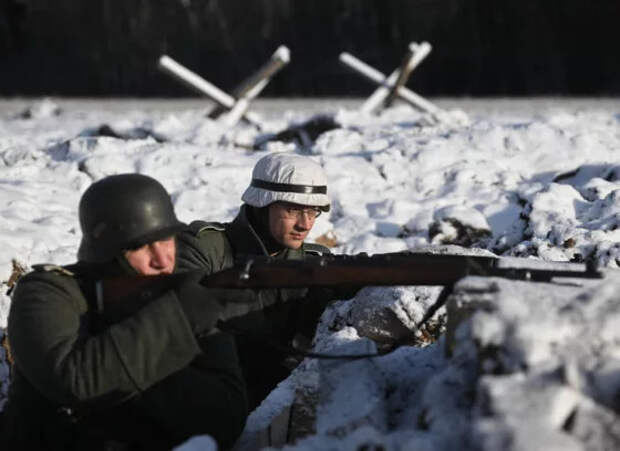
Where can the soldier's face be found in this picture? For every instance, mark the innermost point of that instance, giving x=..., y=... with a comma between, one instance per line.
x=154, y=258
x=290, y=224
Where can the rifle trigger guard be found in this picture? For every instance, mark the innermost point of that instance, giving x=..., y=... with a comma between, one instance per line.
x=245, y=272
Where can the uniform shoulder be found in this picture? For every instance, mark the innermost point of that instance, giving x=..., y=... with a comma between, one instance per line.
x=61, y=277
x=47, y=271
x=53, y=269
x=204, y=232
x=203, y=245
x=198, y=228
x=316, y=249
x=203, y=235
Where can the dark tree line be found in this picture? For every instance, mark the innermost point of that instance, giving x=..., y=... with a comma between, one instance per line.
x=480, y=47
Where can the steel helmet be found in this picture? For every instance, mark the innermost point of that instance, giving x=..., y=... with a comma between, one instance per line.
x=123, y=212
x=289, y=178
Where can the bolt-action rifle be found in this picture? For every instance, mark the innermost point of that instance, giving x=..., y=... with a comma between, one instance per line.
x=403, y=268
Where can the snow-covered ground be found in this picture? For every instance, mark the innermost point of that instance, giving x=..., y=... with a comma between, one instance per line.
x=530, y=366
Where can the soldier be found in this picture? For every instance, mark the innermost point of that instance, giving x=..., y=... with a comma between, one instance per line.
x=286, y=195
x=150, y=380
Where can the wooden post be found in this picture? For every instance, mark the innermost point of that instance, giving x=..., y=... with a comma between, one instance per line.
x=418, y=53
x=393, y=82
x=253, y=85
x=378, y=96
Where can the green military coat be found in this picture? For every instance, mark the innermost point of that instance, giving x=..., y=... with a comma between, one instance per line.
x=146, y=380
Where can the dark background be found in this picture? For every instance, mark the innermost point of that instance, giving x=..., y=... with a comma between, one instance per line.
x=480, y=47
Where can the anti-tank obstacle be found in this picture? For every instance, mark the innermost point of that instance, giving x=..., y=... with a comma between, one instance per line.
x=230, y=109
x=393, y=86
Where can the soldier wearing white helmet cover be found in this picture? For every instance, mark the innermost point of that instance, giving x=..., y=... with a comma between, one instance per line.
x=288, y=193
x=285, y=196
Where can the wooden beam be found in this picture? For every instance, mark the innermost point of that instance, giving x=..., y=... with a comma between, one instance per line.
x=383, y=92
x=414, y=56
x=253, y=85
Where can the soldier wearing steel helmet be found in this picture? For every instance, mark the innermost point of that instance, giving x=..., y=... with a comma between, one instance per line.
x=285, y=196
x=149, y=381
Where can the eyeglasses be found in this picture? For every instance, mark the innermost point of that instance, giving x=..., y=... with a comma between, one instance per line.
x=297, y=212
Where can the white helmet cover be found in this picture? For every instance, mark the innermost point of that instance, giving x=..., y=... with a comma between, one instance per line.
x=288, y=178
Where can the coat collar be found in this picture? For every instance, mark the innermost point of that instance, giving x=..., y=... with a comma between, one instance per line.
x=245, y=241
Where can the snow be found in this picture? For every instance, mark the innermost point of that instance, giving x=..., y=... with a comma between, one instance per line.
x=198, y=443
x=518, y=365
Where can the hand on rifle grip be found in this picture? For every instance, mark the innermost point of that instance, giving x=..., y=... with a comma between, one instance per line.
x=206, y=307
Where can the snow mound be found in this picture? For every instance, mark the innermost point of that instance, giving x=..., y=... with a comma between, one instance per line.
x=518, y=365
